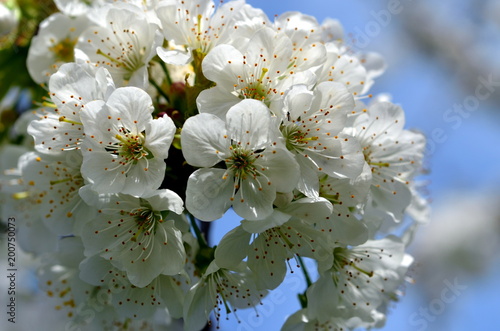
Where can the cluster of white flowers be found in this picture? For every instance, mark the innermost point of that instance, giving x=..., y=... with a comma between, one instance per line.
x=164, y=113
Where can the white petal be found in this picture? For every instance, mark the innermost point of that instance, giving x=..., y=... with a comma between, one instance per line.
x=93, y=166
x=308, y=181
x=343, y=158
x=203, y=140
x=248, y=123
x=216, y=100
x=175, y=57
x=159, y=135
x=322, y=298
x=165, y=200
x=336, y=99
x=131, y=106
x=223, y=65
x=173, y=295
x=197, y=307
x=298, y=101
x=386, y=119
x=277, y=218
x=268, y=265
x=144, y=176
x=231, y=250
x=281, y=169
x=271, y=45
x=309, y=209
x=174, y=254
x=208, y=194
x=254, y=199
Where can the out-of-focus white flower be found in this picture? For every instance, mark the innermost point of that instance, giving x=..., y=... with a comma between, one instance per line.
x=374, y=65
x=23, y=202
x=395, y=155
x=77, y=7
x=58, y=178
x=8, y=20
x=54, y=45
x=492, y=11
x=461, y=241
x=127, y=300
x=358, y=281
x=332, y=31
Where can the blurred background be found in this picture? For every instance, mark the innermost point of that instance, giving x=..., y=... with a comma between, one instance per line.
x=444, y=70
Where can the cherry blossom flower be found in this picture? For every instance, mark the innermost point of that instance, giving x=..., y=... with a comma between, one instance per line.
x=312, y=127
x=256, y=167
x=197, y=25
x=59, y=126
x=393, y=154
x=136, y=235
x=54, y=45
x=124, y=46
x=124, y=147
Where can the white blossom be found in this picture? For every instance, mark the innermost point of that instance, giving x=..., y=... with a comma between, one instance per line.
x=136, y=234
x=128, y=300
x=124, y=46
x=359, y=280
x=393, y=154
x=259, y=70
x=58, y=179
x=196, y=25
x=256, y=167
x=124, y=147
x=312, y=127
x=54, y=45
x=72, y=87
x=219, y=287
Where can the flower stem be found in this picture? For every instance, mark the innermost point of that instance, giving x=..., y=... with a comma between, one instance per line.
x=159, y=89
x=302, y=296
x=167, y=74
x=199, y=236
x=304, y=270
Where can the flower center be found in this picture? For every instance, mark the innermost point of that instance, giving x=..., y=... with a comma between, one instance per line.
x=146, y=219
x=130, y=147
x=369, y=159
x=256, y=88
x=241, y=163
x=64, y=51
x=253, y=91
x=343, y=258
x=296, y=139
